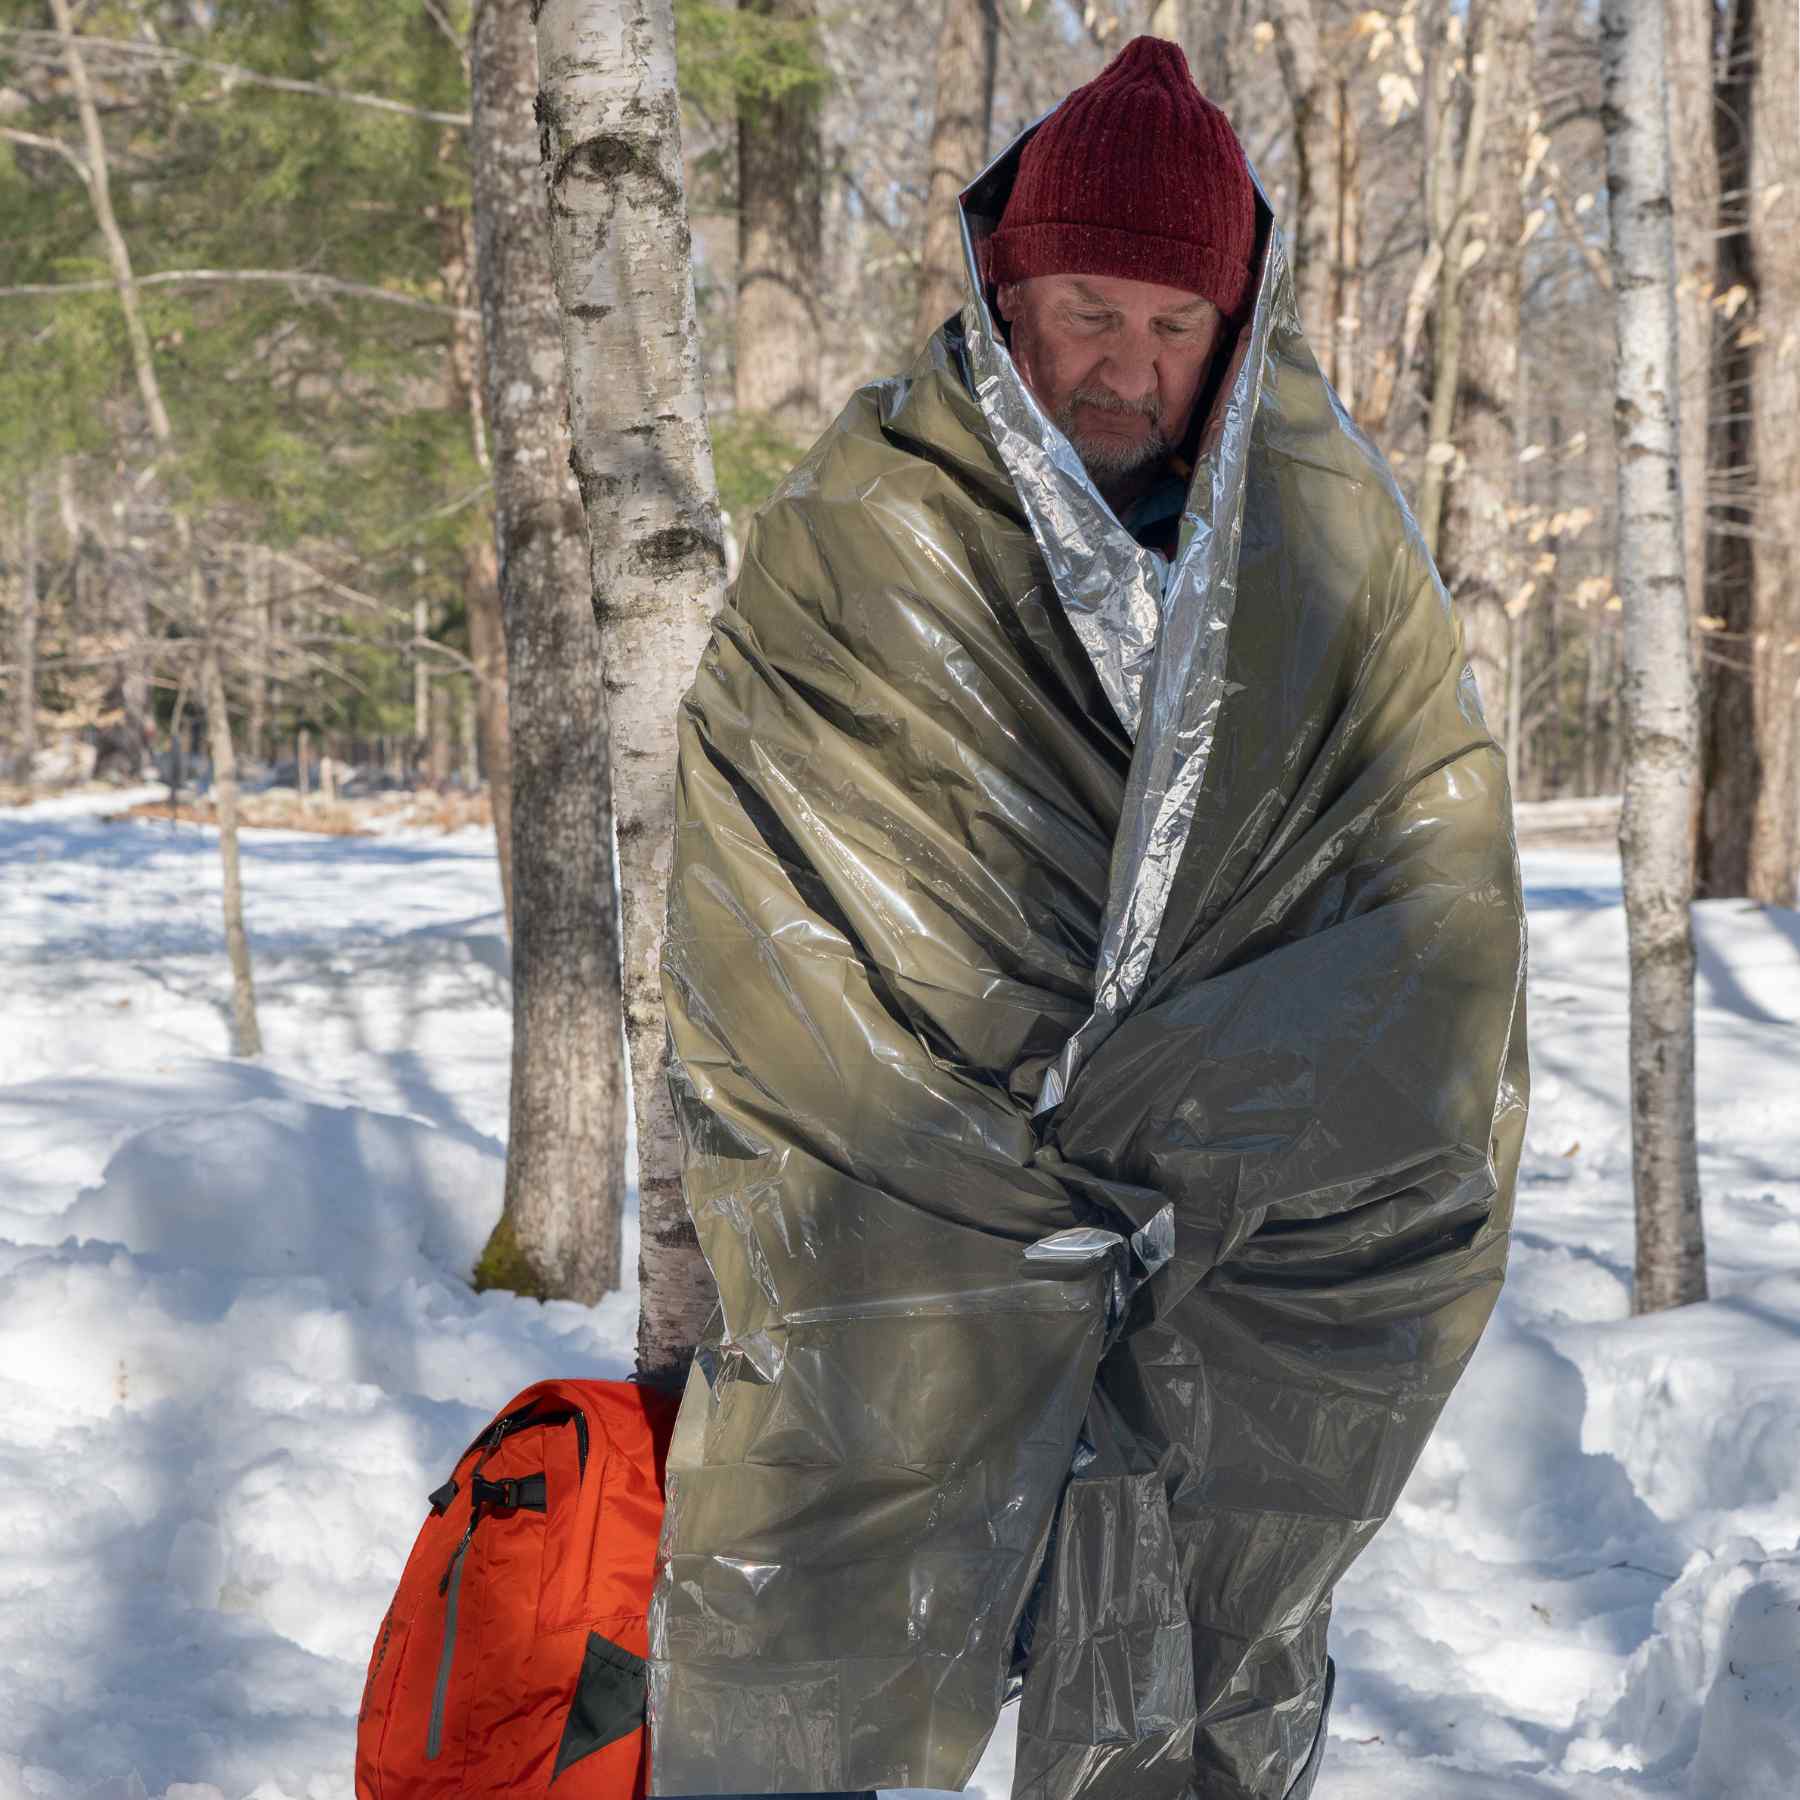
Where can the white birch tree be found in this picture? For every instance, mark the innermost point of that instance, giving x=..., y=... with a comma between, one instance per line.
x=610, y=136
x=1661, y=706
x=565, y=1159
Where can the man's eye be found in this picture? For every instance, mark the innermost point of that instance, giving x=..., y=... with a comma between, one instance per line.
x=1175, y=328
x=1093, y=318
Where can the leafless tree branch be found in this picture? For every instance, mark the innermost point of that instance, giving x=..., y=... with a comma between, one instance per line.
x=47, y=43
x=302, y=279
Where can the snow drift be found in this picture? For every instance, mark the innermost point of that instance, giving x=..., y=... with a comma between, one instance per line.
x=237, y=1348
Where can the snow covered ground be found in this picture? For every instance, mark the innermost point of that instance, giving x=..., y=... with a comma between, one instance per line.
x=236, y=1348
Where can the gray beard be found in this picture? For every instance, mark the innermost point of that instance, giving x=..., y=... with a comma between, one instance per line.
x=1107, y=458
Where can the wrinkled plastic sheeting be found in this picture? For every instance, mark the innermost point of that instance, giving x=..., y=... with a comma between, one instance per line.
x=1097, y=1041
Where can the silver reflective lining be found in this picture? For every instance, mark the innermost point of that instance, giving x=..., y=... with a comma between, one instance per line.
x=1157, y=640
x=1109, y=585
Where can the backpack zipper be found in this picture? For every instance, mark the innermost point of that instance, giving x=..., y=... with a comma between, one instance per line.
x=434, y=1735
x=507, y=1423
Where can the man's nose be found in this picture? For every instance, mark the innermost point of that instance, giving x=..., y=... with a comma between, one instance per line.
x=1130, y=371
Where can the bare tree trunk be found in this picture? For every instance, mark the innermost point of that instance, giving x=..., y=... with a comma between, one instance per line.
x=1661, y=714
x=565, y=1168
x=421, y=678
x=246, y=1034
x=1748, y=829
x=1347, y=252
x=1450, y=189
x=1210, y=33
x=1394, y=362
x=487, y=650
x=1592, y=704
x=135, y=673
x=780, y=172
x=243, y=994
x=1775, y=448
x=967, y=50
x=481, y=567
x=256, y=607
x=1477, y=547
x=468, y=735
x=1731, y=750
x=440, y=735
x=1694, y=170
x=24, y=681
x=619, y=235
x=1318, y=98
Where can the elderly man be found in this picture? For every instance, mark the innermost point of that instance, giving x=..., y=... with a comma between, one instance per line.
x=1094, y=980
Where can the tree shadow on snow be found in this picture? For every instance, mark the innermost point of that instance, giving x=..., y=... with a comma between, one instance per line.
x=170, y=1674
x=1718, y=981
x=1419, y=1725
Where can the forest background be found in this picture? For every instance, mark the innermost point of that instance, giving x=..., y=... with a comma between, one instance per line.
x=270, y=366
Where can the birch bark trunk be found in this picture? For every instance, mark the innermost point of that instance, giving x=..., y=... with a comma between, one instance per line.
x=1661, y=717
x=245, y=1031
x=565, y=1164
x=1478, y=549
x=968, y=45
x=611, y=145
x=780, y=171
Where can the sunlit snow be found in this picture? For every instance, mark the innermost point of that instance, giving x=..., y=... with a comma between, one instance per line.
x=237, y=1350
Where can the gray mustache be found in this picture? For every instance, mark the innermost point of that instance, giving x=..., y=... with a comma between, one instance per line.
x=1104, y=400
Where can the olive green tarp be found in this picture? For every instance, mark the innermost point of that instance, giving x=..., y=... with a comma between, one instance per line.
x=1093, y=1370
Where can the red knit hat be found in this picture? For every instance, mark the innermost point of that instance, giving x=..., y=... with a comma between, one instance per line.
x=1136, y=175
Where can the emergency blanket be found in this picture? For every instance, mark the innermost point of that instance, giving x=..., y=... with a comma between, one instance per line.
x=1097, y=1034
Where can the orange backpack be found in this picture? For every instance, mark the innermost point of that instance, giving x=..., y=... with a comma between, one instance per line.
x=512, y=1656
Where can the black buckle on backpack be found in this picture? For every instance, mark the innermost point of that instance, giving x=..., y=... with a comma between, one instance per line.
x=526, y=1491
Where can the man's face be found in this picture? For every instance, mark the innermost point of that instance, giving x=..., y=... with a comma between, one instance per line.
x=1118, y=365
